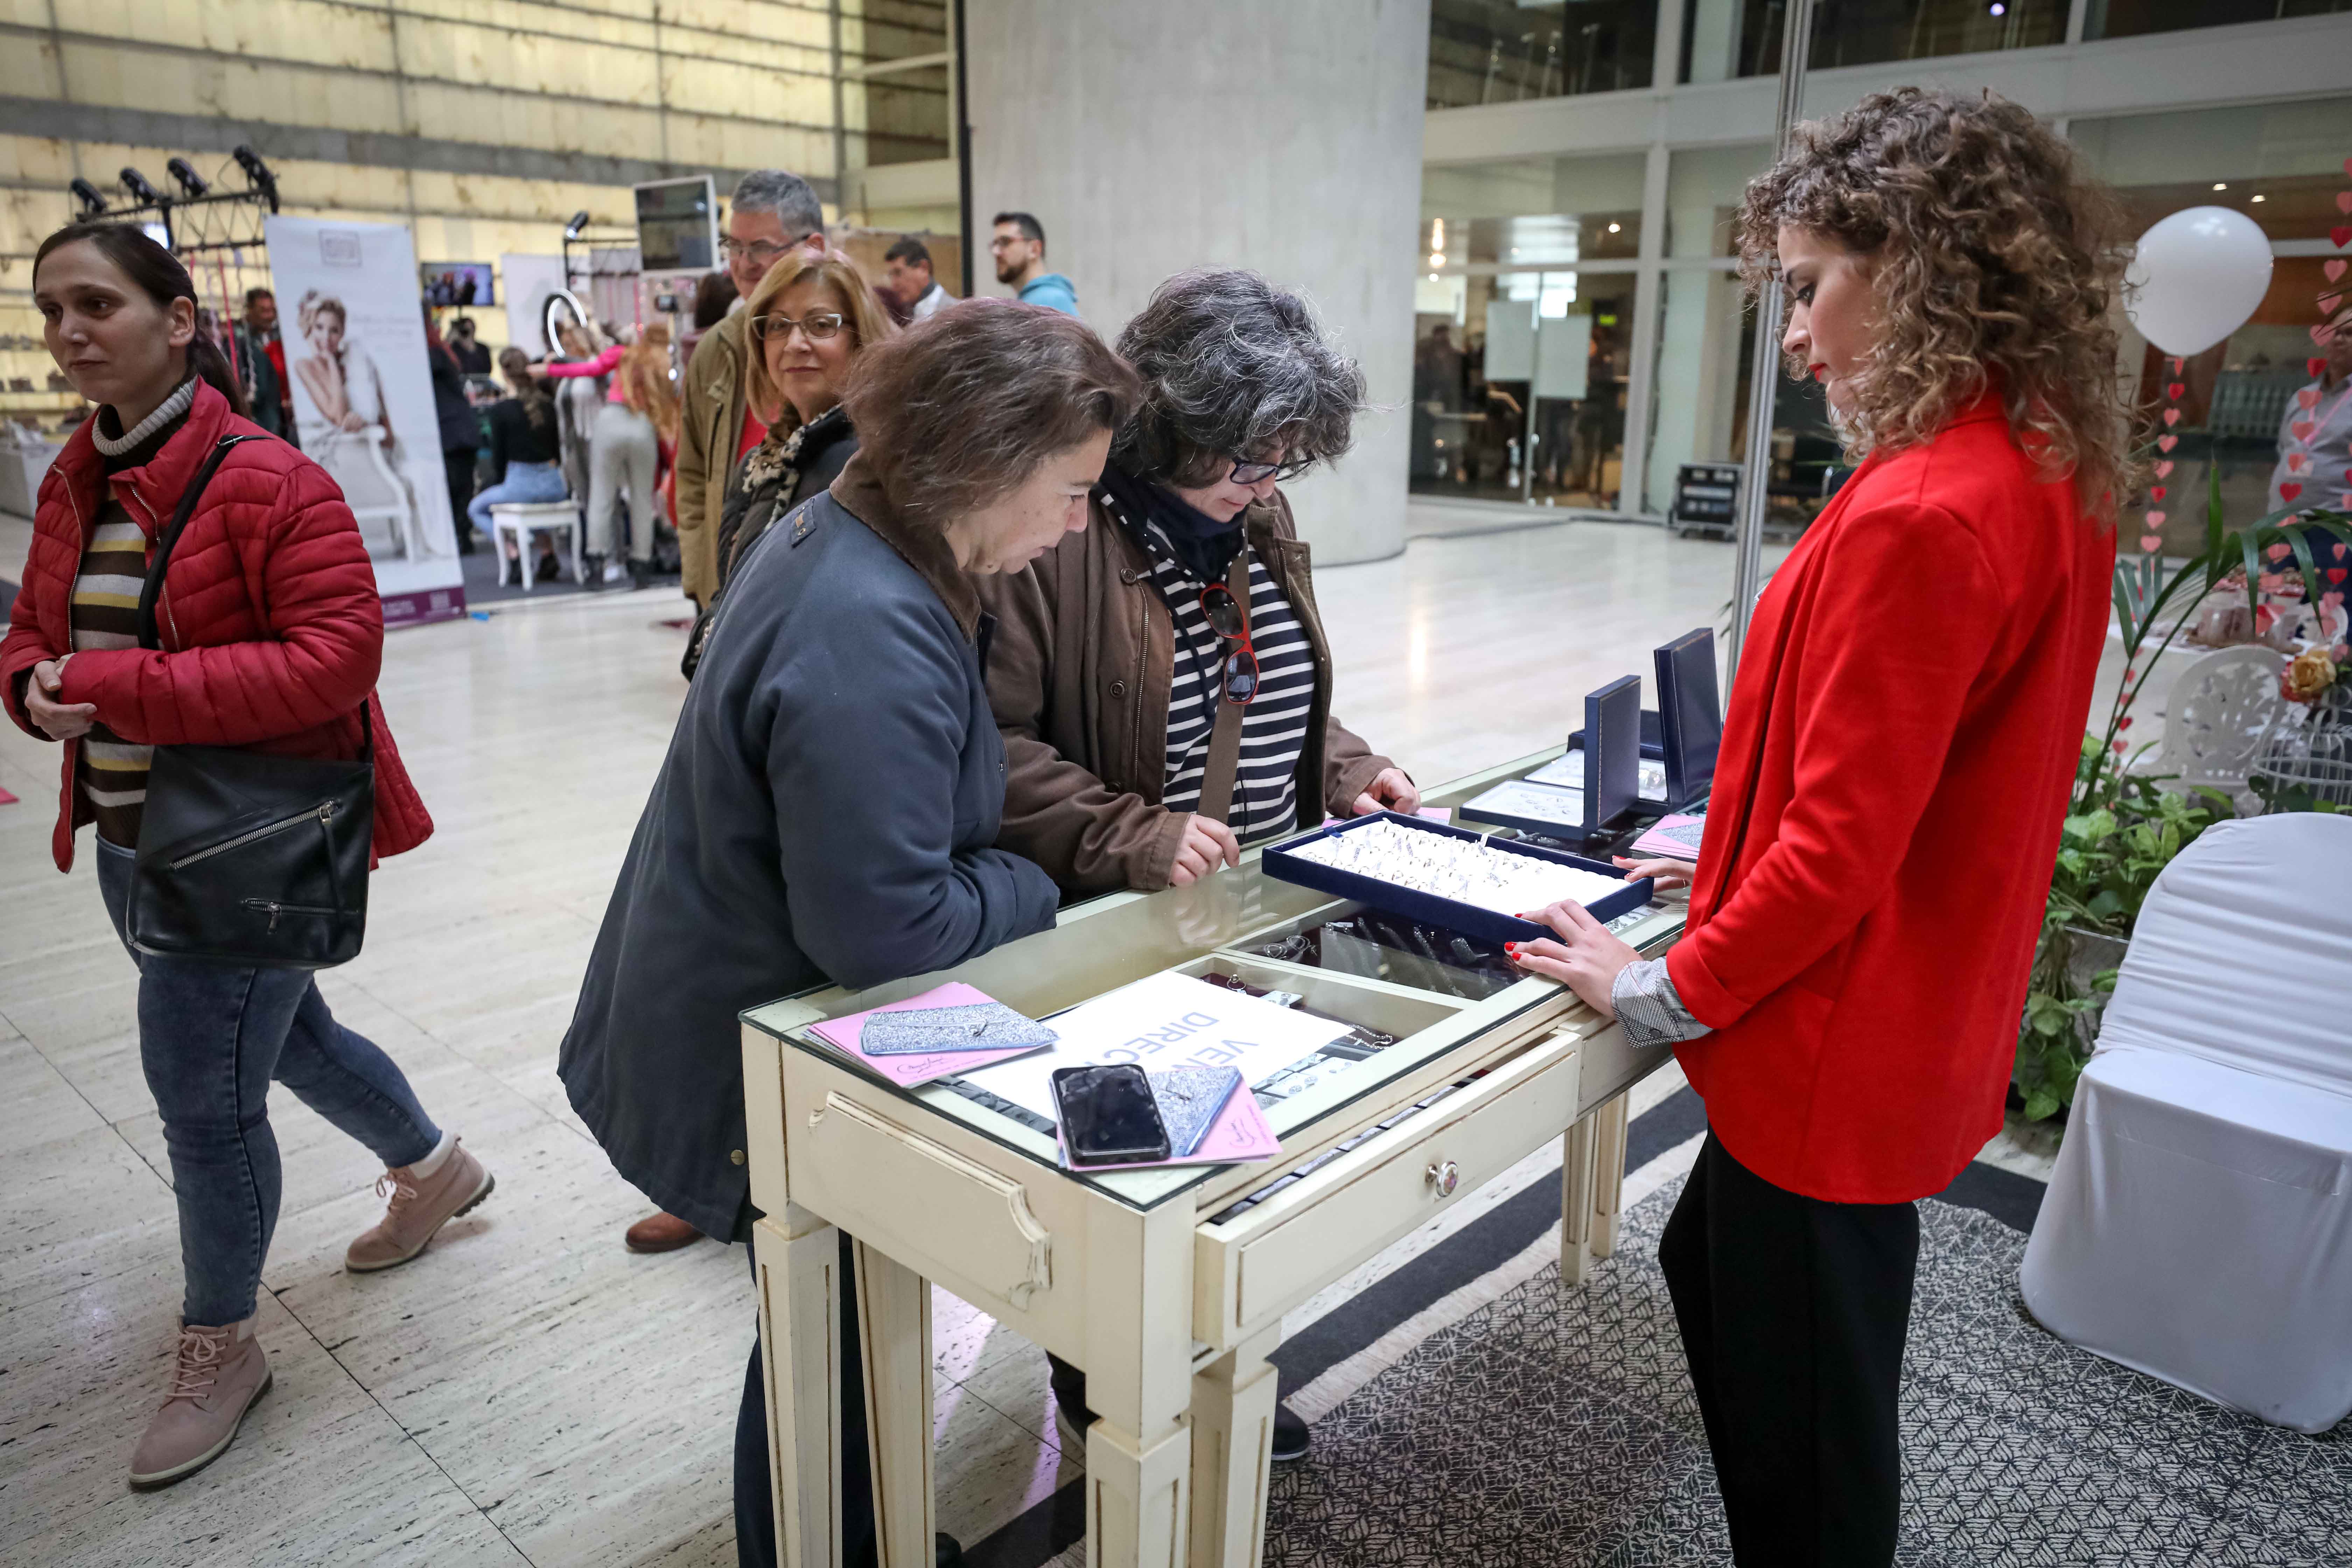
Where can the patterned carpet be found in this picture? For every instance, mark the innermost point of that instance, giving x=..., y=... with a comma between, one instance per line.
x=1556, y=1427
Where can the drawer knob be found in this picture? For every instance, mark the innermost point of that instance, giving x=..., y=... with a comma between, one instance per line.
x=1443, y=1178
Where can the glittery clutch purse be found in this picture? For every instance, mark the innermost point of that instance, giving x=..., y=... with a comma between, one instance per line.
x=970, y=1026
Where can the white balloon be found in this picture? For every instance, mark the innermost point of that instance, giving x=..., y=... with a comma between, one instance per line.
x=2199, y=275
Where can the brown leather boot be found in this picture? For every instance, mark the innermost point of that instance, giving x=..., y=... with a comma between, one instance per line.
x=661, y=1233
x=217, y=1375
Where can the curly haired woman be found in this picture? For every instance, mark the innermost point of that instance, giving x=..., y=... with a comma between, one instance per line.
x=1887, y=810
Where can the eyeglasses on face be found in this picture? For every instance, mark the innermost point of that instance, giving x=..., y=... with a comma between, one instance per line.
x=763, y=251
x=816, y=326
x=1240, y=675
x=1249, y=473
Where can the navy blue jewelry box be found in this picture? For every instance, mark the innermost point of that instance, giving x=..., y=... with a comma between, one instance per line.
x=1282, y=861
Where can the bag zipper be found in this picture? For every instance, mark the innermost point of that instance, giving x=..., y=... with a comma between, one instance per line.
x=322, y=814
x=276, y=908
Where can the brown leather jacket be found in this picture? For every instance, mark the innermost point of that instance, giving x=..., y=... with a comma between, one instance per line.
x=1079, y=673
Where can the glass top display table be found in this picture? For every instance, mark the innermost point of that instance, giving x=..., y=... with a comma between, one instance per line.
x=1167, y=1286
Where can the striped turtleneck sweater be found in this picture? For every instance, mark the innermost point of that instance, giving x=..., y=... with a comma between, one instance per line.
x=111, y=773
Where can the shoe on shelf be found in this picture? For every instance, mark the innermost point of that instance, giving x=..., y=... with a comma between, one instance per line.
x=216, y=1377
x=416, y=1208
x=1289, y=1436
x=663, y=1232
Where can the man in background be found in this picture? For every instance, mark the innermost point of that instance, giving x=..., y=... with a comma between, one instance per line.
x=261, y=364
x=471, y=356
x=908, y=278
x=772, y=213
x=1018, y=248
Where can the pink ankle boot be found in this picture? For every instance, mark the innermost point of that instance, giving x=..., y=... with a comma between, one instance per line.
x=218, y=1373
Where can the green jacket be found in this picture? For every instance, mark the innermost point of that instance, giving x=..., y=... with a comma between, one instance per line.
x=710, y=426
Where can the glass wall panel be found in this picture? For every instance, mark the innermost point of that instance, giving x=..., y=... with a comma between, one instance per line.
x=1468, y=431
x=1580, y=362
x=1725, y=38
x=1702, y=192
x=2124, y=18
x=1699, y=412
x=2282, y=165
x=1532, y=211
x=1502, y=52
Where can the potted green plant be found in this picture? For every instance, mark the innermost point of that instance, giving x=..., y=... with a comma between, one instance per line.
x=2122, y=828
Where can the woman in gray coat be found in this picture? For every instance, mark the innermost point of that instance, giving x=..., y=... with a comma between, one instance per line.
x=829, y=803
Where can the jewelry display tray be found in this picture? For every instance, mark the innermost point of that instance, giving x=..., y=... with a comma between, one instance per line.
x=1282, y=861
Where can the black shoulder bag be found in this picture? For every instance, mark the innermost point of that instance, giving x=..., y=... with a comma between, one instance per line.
x=244, y=857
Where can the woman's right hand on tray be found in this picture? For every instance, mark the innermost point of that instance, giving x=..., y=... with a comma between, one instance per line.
x=1667, y=874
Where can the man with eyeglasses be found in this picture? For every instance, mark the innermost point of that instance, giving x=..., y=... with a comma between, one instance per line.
x=771, y=213
x=1019, y=250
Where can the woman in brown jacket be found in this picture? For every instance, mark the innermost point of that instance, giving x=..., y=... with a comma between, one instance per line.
x=1189, y=597
x=1186, y=602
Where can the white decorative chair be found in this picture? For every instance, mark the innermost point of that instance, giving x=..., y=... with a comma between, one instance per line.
x=372, y=488
x=2198, y=1225
x=2214, y=719
x=520, y=520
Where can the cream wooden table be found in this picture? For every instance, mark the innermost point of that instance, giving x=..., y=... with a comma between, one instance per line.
x=1168, y=1287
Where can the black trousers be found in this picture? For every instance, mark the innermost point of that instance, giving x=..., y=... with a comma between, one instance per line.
x=457, y=468
x=1794, y=1312
x=755, y=1491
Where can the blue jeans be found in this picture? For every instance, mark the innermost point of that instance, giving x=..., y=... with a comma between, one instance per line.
x=524, y=482
x=210, y=1037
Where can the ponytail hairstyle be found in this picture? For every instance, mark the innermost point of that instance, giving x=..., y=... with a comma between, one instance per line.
x=156, y=273
x=538, y=402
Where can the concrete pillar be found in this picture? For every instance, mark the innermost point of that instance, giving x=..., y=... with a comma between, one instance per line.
x=1152, y=135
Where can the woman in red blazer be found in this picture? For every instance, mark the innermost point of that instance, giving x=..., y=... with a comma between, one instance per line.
x=271, y=634
x=1902, y=733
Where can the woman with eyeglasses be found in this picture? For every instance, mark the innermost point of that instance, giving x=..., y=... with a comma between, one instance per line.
x=1162, y=679
x=810, y=318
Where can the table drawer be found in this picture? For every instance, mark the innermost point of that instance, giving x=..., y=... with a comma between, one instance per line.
x=1276, y=1253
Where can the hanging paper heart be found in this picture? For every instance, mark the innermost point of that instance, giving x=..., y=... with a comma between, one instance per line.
x=2339, y=236
x=2167, y=443
x=2172, y=417
x=2309, y=395
x=2336, y=574
x=2281, y=552
x=2151, y=543
x=2156, y=519
x=2323, y=336
x=2174, y=390
x=2286, y=493
x=2315, y=365
x=2269, y=581
x=2343, y=549
x=2302, y=429
x=2155, y=492
x=2334, y=269
x=2164, y=470
x=2123, y=723
x=2344, y=201
x=2348, y=165
x=2327, y=303
x=2298, y=462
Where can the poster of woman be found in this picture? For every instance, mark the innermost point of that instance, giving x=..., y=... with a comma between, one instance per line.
x=363, y=401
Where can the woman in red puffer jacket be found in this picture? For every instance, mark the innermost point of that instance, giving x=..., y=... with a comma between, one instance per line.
x=271, y=636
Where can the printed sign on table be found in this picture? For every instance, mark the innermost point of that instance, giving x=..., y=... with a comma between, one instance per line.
x=355, y=333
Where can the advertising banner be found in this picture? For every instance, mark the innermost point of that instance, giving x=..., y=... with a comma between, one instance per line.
x=355, y=333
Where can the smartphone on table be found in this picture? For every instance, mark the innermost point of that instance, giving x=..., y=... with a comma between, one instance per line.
x=1109, y=1116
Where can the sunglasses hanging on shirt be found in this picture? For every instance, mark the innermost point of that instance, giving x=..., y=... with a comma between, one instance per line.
x=1239, y=676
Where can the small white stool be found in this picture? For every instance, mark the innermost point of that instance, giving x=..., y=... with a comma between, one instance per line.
x=519, y=520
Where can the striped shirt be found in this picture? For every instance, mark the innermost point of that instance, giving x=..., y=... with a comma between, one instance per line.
x=103, y=613
x=1273, y=726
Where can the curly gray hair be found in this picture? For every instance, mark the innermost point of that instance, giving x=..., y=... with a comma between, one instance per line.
x=1234, y=368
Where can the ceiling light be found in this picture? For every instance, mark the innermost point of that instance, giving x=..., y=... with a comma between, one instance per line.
x=1615, y=227
x=2262, y=198
x=2220, y=184
x=1999, y=9
x=1437, y=258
